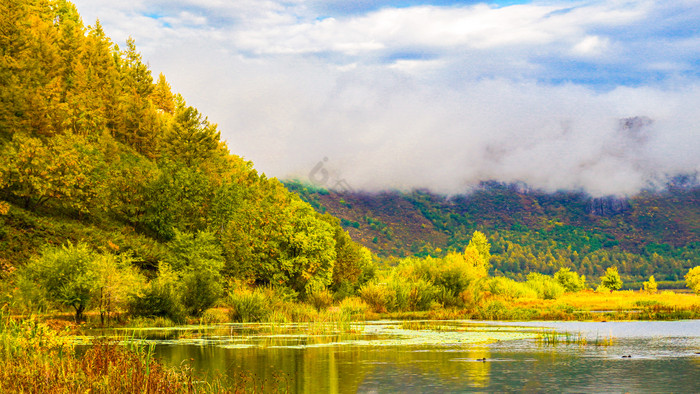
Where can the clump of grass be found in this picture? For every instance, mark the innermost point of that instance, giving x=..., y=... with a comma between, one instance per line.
x=214, y=316
x=34, y=358
x=553, y=338
x=604, y=340
x=354, y=308
x=250, y=305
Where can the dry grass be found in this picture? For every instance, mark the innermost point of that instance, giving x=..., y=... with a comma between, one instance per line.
x=615, y=301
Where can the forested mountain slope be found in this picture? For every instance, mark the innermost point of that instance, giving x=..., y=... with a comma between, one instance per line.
x=652, y=233
x=95, y=150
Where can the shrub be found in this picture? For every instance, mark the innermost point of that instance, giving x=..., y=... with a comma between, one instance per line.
x=509, y=289
x=294, y=311
x=159, y=298
x=249, y=305
x=214, y=316
x=321, y=299
x=570, y=280
x=546, y=287
x=378, y=297
x=413, y=294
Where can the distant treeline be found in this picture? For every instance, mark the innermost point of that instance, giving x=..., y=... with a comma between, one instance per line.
x=654, y=233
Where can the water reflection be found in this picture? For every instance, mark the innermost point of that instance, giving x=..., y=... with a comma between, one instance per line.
x=439, y=357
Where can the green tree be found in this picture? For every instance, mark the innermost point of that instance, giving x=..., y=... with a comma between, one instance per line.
x=116, y=280
x=198, y=259
x=191, y=139
x=571, y=280
x=611, y=280
x=692, y=279
x=65, y=275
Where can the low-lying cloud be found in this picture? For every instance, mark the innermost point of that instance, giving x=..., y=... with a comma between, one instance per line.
x=441, y=97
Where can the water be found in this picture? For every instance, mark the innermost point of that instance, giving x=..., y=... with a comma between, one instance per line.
x=458, y=356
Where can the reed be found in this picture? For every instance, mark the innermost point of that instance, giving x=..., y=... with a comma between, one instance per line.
x=553, y=338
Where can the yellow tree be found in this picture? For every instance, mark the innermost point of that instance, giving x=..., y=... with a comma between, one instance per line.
x=60, y=169
x=692, y=279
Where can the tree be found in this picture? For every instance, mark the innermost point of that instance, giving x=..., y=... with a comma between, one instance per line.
x=482, y=246
x=76, y=276
x=191, y=139
x=650, y=286
x=353, y=264
x=611, y=280
x=116, y=280
x=571, y=280
x=692, y=279
x=59, y=169
x=198, y=260
x=65, y=275
x=162, y=96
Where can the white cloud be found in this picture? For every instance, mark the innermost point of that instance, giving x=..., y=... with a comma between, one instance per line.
x=436, y=97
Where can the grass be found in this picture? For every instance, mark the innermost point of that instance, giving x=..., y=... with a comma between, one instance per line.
x=36, y=358
x=618, y=305
x=553, y=338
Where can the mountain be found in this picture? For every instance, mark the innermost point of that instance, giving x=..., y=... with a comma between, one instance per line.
x=652, y=233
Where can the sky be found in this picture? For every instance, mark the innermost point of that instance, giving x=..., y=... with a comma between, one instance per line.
x=599, y=96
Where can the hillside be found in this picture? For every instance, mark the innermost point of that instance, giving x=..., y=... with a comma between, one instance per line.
x=652, y=233
x=99, y=158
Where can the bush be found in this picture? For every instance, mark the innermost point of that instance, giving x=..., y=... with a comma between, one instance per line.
x=378, y=297
x=250, y=305
x=214, y=316
x=570, y=280
x=321, y=299
x=159, y=298
x=509, y=289
x=546, y=287
x=413, y=294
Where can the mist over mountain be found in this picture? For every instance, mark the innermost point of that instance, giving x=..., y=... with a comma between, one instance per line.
x=436, y=94
x=551, y=138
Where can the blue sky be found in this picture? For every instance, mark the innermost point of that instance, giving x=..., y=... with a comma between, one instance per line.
x=439, y=94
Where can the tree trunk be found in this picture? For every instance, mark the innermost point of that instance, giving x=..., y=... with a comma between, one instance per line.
x=79, y=313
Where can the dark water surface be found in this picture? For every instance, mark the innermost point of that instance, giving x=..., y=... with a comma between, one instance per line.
x=426, y=357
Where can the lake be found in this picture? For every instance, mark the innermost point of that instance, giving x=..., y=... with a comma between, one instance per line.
x=442, y=356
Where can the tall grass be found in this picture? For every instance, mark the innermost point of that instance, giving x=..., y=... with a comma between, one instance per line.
x=37, y=359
